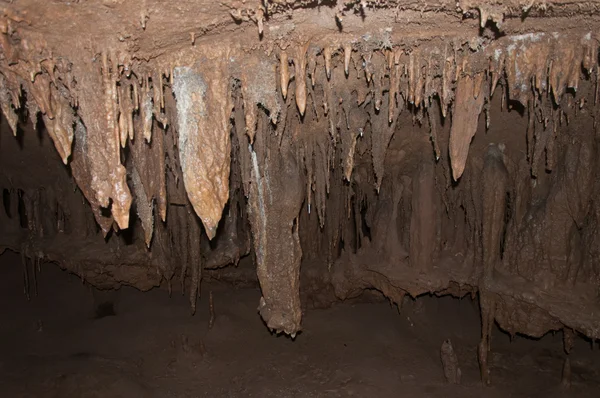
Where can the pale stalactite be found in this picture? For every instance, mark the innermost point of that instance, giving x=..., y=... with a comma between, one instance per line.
x=300, y=76
x=146, y=112
x=327, y=56
x=284, y=70
x=347, y=57
x=203, y=110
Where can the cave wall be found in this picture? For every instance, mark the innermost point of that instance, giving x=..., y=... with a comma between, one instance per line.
x=342, y=146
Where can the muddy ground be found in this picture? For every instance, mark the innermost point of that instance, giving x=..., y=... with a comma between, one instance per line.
x=57, y=345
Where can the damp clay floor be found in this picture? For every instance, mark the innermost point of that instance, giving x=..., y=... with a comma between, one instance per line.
x=60, y=343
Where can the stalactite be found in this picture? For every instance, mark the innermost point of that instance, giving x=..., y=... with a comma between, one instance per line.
x=285, y=73
x=24, y=262
x=82, y=173
x=448, y=72
x=60, y=127
x=100, y=149
x=146, y=113
x=382, y=132
x=259, y=88
x=8, y=108
x=327, y=56
x=394, y=83
x=433, y=126
x=300, y=77
x=274, y=201
x=126, y=109
x=183, y=219
x=203, y=107
x=564, y=69
x=526, y=56
x=347, y=57
x=568, y=343
x=467, y=107
x=195, y=261
x=144, y=206
x=380, y=70
x=149, y=164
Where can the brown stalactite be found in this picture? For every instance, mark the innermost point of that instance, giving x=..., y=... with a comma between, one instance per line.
x=60, y=128
x=195, y=260
x=274, y=201
x=82, y=173
x=467, y=107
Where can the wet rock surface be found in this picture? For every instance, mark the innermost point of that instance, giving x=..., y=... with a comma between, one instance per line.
x=411, y=149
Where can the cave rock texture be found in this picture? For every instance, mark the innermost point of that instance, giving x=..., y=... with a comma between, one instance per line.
x=409, y=147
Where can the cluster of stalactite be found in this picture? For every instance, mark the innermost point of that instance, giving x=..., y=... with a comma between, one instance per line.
x=352, y=154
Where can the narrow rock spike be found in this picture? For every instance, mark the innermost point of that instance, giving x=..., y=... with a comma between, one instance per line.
x=285, y=73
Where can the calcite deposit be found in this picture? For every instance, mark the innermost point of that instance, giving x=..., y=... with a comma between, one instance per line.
x=408, y=147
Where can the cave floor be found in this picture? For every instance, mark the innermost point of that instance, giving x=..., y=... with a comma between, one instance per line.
x=148, y=345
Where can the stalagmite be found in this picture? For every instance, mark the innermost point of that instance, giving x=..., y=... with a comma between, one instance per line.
x=452, y=370
x=467, y=107
x=488, y=308
x=203, y=109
